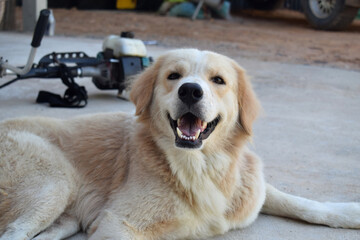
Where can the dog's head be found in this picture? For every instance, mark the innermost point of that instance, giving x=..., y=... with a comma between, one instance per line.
x=194, y=98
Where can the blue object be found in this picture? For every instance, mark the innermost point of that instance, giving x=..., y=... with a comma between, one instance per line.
x=185, y=9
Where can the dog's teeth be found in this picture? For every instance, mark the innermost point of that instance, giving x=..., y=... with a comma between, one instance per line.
x=188, y=138
x=197, y=134
x=203, y=124
x=179, y=133
x=178, y=122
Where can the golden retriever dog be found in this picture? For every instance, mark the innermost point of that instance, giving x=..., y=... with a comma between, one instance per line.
x=179, y=169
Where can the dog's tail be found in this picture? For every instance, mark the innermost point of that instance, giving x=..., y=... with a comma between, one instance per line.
x=337, y=215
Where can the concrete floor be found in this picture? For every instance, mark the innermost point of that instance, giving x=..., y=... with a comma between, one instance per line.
x=308, y=136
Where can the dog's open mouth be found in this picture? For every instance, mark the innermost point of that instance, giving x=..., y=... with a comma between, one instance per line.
x=190, y=130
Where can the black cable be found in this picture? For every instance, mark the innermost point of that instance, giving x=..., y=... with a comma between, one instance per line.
x=9, y=82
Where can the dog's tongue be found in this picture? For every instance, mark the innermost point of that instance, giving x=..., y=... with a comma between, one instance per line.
x=190, y=125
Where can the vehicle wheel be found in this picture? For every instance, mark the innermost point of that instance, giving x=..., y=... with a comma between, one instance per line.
x=328, y=14
x=266, y=4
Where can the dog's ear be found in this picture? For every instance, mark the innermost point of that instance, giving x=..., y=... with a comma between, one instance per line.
x=249, y=105
x=142, y=90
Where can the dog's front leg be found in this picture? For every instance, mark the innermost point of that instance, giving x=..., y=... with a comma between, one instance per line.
x=110, y=226
x=337, y=215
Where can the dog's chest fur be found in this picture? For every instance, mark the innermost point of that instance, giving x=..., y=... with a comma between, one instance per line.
x=201, y=179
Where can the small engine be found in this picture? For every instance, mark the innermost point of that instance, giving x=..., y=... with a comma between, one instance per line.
x=123, y=57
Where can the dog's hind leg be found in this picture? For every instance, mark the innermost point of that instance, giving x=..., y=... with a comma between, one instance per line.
x=35, y=213
x=32, y=220
x=36, y=182
x=65, y=226
x=337, y=215
x=110, y=226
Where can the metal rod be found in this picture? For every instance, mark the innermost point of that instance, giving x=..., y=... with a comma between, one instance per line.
x=24, y=70
x=197, y=9
x=90, y=72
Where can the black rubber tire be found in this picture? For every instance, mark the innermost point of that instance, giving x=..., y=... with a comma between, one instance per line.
x=266, y=4
x=144, y=5
x=96, y=4
x=61, y=4
x=340, y=17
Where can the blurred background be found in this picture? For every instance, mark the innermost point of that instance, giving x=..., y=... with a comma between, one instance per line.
x=319, y=32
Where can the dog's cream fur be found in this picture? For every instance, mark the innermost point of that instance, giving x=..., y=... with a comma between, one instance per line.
x=117, y=176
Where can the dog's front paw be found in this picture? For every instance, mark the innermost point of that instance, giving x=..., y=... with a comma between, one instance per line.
x=343, y=215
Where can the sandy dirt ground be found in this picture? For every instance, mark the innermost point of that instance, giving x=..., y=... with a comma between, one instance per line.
x=281, y=35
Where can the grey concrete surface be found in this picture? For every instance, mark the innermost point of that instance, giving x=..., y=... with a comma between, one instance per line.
x=308, y=135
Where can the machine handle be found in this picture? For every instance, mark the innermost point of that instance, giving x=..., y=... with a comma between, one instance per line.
x=40, y=28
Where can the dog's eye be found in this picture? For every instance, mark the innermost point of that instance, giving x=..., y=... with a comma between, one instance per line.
x=174, y=76
x=218, y=80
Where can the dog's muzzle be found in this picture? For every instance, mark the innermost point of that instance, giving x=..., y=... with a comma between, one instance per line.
x=189, y=128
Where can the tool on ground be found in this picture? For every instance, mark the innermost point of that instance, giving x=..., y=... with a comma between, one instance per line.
x=121, y=57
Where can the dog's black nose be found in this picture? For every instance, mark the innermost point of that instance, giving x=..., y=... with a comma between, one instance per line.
x=190, y=93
